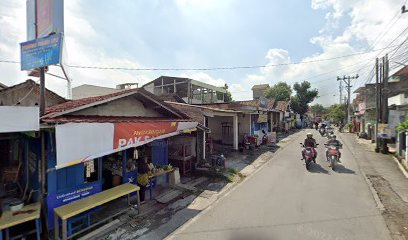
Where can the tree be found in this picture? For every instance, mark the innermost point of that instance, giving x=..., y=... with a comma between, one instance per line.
x=280, y=92
x=337, y=112
x=304, y=96
x=227, y=95
x=318, y=109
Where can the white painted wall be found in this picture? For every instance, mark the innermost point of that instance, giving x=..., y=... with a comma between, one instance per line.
x=149, y=88
x=85, y=91
x=398, y=100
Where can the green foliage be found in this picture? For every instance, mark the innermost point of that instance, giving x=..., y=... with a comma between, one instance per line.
x=230, y=178
x=337, y=112
x=319, y=109
x=280, y=92
x=304, y=96
x=403, y=126
x=227, y=95
x=348, y=125
x=232, y=170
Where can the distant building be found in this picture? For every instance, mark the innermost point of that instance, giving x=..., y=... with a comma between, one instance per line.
x=190, y=90
x=87, y=90
x=27, y=94
x=259, y=90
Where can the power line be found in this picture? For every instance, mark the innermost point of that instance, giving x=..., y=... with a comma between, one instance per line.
x=214, y=68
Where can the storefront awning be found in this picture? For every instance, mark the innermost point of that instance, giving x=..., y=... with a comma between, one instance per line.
x=19, y=119
x=80, y=142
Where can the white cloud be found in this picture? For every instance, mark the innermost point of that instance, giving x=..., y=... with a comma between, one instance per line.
x=204, y=77
x=368, y=18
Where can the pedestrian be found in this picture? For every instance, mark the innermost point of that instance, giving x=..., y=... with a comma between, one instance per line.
x=143, y=177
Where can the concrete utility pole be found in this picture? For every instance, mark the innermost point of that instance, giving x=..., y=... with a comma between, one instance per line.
x=385, y=90
x=347, y=81
x=341, y=90
x=377, y=103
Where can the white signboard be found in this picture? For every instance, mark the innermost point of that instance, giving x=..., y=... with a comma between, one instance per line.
x=19, y=119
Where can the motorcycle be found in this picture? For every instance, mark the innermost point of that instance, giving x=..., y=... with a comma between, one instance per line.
x=332, y=155
x=329, y=131
x=218, y=162
x=308, y=155
x=322, y=131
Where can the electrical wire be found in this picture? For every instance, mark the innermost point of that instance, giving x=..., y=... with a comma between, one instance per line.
x=216, y=68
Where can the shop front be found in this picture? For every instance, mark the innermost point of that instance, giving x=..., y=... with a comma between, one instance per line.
x=97, y=144
x=19, y=167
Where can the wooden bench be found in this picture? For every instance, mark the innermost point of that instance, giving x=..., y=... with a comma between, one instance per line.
x=27, y=213
x=88, y=203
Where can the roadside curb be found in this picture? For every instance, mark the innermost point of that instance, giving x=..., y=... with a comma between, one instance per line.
x=401, y=167
x=252, y=169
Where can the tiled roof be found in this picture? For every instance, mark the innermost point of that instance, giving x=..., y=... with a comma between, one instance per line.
x=110, y=119
x=281, y=105
x=403, y=71
x=260, y=86
x=252, y=103
x=195, y=113
x=271, y=103
x=84, y=101
x=36, y=90
x=171, y=97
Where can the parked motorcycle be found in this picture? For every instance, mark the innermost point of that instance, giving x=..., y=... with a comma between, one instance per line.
x=218, y=162
x=308, y=155
x=332, y=155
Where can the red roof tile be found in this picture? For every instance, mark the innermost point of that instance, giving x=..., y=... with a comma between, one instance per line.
x=282, y=105
x=194, y=113
x=108, y=119
x=84, y=101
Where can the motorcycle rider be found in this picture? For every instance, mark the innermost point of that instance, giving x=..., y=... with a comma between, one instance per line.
x=310, y=142
x=334, y=142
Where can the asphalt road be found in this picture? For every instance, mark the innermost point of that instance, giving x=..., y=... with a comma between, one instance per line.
x=284, y=201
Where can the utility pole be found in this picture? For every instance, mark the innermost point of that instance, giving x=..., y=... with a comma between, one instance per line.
x=385, y=90
x=377, y=104
x=347, y=81
x=341, y=90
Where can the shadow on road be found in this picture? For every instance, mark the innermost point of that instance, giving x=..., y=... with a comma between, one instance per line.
x=342, y=169
x=316, y=168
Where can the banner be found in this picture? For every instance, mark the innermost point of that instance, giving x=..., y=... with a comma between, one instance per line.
x=130, y=134
x=80, y=142
x=262, y=118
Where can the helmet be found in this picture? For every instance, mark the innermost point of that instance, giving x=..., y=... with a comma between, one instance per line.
x=309, y=135
x=333, y=137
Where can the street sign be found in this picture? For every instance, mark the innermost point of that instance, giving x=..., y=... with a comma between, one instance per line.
x=41, y=52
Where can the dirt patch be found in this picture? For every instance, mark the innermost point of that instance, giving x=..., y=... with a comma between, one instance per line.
x=396, y=209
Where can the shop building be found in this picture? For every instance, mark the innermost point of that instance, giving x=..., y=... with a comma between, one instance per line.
x=95, y=143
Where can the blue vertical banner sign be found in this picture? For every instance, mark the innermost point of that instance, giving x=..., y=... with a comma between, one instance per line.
x=41, y=52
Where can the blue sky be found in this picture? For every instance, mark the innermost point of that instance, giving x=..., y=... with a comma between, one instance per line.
x=211, y=33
